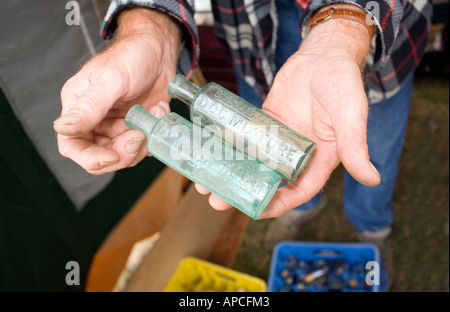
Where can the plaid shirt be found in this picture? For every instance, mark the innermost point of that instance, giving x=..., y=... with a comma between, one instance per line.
x=247, y=29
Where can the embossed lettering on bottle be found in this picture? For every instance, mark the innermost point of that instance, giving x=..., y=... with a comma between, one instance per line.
x=263, y=137
x=186, y=148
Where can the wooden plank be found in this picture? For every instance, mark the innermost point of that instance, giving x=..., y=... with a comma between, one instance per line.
x=227, y=245
x=192, y=231
x=198, y=78
x=148, y=216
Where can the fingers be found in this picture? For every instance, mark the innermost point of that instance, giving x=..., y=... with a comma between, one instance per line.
x=215, y=201
x=295, y=193
x=99, y=155
x=202, y=190
x=80, y=150
x=81, y=114
x=160, y=109
x=218, y=203
x=309, y=184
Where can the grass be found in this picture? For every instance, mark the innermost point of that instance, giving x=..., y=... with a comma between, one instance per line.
x=420, y=239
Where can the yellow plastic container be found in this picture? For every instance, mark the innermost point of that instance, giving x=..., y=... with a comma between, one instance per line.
x=194, y=274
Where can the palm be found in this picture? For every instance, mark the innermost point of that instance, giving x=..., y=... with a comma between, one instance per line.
x=322, y=98
x=325, y=101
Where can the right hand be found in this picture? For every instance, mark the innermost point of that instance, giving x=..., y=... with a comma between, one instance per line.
x=319, y=92
x=135, y=69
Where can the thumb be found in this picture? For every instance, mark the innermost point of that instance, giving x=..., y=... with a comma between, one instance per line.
x=351, y=141
x=88, y=110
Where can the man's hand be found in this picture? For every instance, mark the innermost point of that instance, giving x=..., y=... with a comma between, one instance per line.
x=135, y=69
x=319, y=92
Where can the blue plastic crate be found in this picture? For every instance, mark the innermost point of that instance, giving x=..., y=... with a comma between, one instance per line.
x=345, y=263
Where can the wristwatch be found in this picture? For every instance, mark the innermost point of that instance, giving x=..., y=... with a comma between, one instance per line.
x=349, y=12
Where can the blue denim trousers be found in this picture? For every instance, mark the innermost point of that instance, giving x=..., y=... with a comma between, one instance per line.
x=367, y=208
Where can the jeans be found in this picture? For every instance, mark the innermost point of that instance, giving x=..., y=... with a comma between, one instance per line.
x=367, y=208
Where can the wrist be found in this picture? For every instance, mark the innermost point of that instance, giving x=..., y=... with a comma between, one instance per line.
x=342, y=27
x=145, y=23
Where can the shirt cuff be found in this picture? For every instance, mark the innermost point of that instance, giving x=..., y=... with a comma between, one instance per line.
x=386, y=15
x=182, y=11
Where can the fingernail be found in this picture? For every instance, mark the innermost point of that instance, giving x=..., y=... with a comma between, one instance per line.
x=374, y=169
x=107, y=163
x=133, y=146
x=68, y=119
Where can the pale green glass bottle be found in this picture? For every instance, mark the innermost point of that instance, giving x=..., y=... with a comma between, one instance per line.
x=262, y=137
x=198, y=155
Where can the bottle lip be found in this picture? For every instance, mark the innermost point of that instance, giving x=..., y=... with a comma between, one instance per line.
x=307, y=158
x=182, y=89
x=138, y=118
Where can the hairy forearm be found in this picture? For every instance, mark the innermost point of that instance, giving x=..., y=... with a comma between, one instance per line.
x=149, y=23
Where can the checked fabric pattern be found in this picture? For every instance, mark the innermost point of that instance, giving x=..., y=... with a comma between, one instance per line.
x=247, y=30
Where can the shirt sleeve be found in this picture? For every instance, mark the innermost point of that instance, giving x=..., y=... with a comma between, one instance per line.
x=181, y=10
x=385, y=14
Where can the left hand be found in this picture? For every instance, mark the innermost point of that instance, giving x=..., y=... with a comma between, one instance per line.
x=319, y=92
x=135, y=69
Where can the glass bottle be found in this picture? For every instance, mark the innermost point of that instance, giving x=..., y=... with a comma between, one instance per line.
x=247, y=128
x=201, y=157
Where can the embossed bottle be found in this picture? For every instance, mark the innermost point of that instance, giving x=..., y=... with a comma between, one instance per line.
x=247, y=128
x=187, y=148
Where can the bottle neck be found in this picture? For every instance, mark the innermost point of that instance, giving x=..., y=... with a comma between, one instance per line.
x=139, y=119
x=182, y=89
